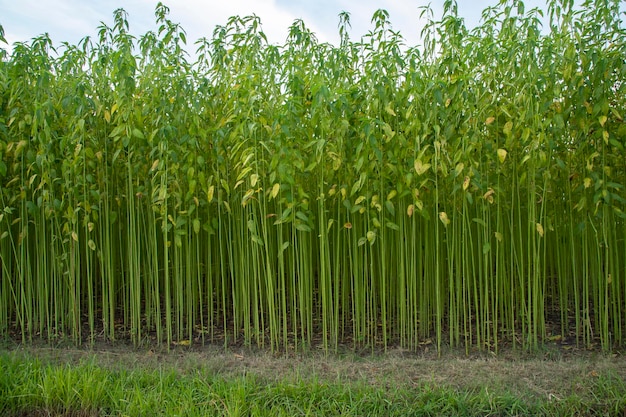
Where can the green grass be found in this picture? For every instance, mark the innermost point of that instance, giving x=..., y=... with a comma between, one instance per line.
x=53, y=385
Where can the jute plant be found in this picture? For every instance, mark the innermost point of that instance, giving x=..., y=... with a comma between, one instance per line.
x=467, y=191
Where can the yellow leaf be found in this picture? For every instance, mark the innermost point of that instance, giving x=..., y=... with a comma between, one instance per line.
x=466, y=182
x=107, y=116
x=359, y=200
x=444, y=218
x=605, y=136
x=184, y=343
x=489, y=195
x=448, y=101
x=210, y=192
x=420, y=167
x=410, y=209
x=391, y=194
x=154, y=166
x=539, y=228
x=371, y=236
x=502, y=155
x=389, y=110
x=459, y=168
x=587, y=182
x=508, y=126
x=275, y=190
x=602, y=120
x=490, y=120
x=246, y=197
x=75, y=236
x=254, y=178
x=498, y=236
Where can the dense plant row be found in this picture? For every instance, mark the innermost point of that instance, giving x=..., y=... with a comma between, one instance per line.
x=469, y=190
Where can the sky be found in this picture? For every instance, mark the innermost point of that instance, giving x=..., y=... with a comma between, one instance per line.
x=71, y=20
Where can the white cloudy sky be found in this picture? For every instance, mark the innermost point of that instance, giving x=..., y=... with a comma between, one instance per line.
x=71, y=20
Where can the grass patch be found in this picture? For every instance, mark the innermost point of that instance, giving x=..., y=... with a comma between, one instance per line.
x=77, y=382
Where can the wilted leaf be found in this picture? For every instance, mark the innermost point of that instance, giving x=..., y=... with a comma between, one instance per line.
x=539, y=228
x=466, y=182
x=444, y=218
x=420, y=167
x=489, y=195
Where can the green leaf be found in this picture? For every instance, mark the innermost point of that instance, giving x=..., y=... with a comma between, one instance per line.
x=302, y=227
x=486, y=248
x=390, y=207
x=392, y=226
x=138, y=134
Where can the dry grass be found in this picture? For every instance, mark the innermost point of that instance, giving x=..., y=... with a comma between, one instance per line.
x=548, y=375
